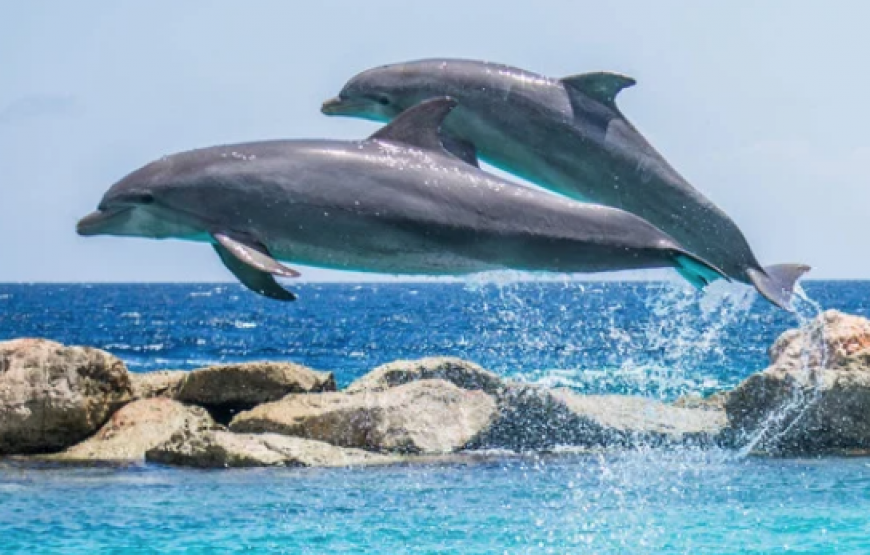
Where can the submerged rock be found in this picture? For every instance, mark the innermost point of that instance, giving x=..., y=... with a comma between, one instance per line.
x=534, y=418
x=52, y=396
x=427, y=416
x=217, y=449
x=135, y=429
x=227, y=389
x=814, y=397
x=162, y=383
x=460, y=373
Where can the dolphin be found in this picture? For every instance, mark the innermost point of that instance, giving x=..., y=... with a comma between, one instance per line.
x=398, y=202
x=567, y=135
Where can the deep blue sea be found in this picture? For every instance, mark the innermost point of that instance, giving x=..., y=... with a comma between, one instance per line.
x=655, y=339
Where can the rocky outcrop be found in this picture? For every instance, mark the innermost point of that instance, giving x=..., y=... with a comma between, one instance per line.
x=52, y=396
x=218, y=449
x=136, y=428
x=535, y=418
x=427, y=416
x=814, y=397
x=225, y=390
x=460, y=373
x=162, y=383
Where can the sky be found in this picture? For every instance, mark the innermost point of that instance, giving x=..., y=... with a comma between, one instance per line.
x=761, y=105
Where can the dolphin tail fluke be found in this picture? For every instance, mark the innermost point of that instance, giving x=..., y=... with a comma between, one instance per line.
x=696, y=270
x=776, y=283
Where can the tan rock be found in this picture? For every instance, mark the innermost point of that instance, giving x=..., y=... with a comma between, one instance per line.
x=460, y=373
x=217, y=449
x=162, y=383
x=52, y=396
x=136, y=428
x=427, y=416
x=827, y=341
x=228, y=389
x=715, y=402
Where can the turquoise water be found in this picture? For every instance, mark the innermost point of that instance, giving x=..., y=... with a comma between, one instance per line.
x=664, y=502
x=657, y=340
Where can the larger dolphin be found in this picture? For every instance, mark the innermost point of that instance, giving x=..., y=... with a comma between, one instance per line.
x=567, y=135
x=395, y=203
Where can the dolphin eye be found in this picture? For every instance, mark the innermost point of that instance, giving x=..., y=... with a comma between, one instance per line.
x=383, y=101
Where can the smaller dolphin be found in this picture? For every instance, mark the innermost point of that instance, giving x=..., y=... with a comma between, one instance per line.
x=567, y=135
x=397, y=203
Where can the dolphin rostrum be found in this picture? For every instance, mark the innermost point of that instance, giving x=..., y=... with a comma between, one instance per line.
x=398, y=203
x=567, y=135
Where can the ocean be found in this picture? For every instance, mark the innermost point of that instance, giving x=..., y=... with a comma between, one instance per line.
x=657, y=339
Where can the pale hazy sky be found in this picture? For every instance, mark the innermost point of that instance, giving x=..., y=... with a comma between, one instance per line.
x=761, y=105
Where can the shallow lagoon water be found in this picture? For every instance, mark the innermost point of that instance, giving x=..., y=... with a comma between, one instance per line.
x=653, y=339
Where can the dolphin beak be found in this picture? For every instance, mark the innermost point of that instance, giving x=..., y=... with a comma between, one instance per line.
x=338, y=106
x=98, y=222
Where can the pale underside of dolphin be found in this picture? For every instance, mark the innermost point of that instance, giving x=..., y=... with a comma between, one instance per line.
x=396, y=203
x=566, y=135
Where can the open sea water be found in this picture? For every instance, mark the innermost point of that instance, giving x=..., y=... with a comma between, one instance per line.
x=657, y=339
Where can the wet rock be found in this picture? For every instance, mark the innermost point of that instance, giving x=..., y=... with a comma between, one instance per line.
x=162, y=383
x=427, y=416
x=814, y=398
x=460, y=373
x=52, y=396
x=534, y=418
x=136, y=428
x=227, y=389
x=217, y=449
x=716, y=402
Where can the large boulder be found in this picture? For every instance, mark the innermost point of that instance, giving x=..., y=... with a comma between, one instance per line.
x=161, y=383
x=427, y=416
x=460, y=373
x=135, y=429
x=228, y=389
x=218, y=449
x=533, y=418
x=815, y=396
x=52, y=396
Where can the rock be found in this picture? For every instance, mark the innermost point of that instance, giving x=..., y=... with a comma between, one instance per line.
x=534, y=418
x=216, y=449
x=427, y=416
x=460, y=373
x=136, y=428
x=225, y=390
x=162, y=383
x=52, y=396
x=716, y=402
x=827, y=341
x=814, y=398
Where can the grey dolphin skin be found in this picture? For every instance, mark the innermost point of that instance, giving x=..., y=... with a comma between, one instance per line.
x=396, y=203
x=567, y=135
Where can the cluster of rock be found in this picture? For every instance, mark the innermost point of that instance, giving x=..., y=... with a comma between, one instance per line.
x=78, y=404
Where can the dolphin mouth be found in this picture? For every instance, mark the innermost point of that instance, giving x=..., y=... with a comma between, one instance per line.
x=96, y=223
x=339, y=106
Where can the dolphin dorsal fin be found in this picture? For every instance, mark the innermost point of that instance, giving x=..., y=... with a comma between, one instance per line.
x=418, y=126
x=602, y=86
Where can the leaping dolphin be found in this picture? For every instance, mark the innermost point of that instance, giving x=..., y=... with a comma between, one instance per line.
x=567, y=135
x=398, y=203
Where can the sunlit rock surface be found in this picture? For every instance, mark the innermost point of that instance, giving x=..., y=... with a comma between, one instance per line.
x=136, y=428
x=52, y=396
x=216, y=449
x=427, y=416
x=815, y=396
x=162, y=383
x=460, y=373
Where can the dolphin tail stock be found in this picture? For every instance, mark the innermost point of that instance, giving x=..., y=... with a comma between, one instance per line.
x=696, y=270
x=776, y=283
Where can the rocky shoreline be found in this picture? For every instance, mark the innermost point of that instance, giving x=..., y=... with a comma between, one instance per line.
x=79, y=405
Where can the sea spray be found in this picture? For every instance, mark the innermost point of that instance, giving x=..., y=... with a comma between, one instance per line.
x=780, y=421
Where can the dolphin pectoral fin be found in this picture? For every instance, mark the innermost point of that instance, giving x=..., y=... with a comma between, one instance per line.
x=602, y=86
x=418, y=126
x=462, y=149
x=254, y=255
x=776, y=283
x=696, y=270
x=252, y=278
